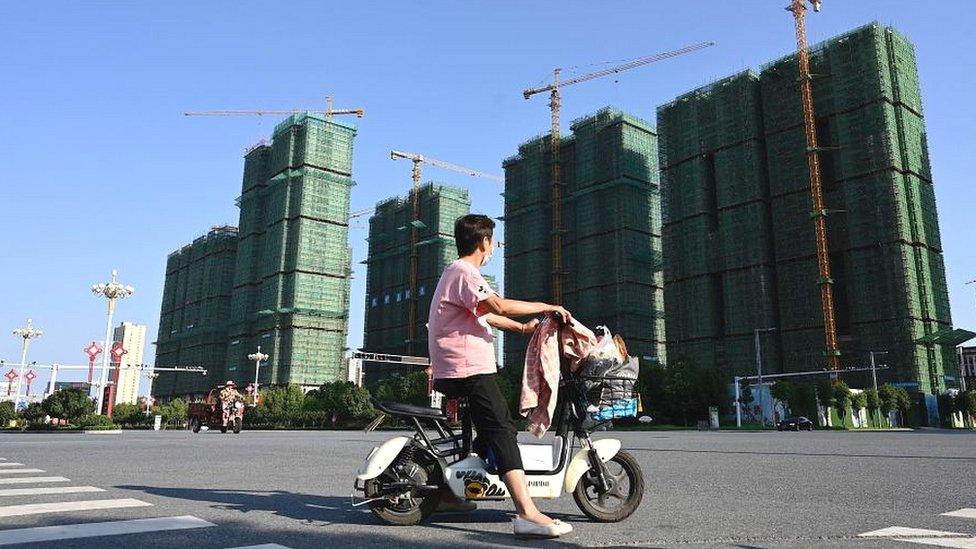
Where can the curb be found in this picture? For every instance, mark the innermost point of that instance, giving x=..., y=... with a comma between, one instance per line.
x=102, y=431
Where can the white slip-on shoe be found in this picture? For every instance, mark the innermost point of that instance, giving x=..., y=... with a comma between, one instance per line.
x=528, y=528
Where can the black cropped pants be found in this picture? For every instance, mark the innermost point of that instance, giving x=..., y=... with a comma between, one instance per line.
x=489, y=414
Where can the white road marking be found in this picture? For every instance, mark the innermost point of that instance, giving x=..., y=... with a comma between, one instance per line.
x=262, y=546
x=11, y=464
x=964, y=513
x=901, y=531
x=97, y=529
x=19, y=471
x=65, y=506
x=48, y=490
x=31, y=480
x=956, y=543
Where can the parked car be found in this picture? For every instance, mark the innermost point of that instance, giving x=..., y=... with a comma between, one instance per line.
x=795, y=424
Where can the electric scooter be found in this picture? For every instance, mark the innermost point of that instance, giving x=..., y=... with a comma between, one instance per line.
x=403, y=479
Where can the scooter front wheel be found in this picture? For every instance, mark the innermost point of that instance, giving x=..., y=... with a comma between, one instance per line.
x=623, y=497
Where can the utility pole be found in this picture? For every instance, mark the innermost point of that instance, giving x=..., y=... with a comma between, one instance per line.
x=874, y=368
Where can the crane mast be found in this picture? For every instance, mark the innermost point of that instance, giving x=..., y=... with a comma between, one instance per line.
x=555, y=104
x=819, y=212
x=417, y=160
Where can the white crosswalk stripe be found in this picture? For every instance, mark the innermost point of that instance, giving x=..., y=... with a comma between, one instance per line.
x=31, y=480
x=19, y=471
x=32, y=486
x=262, y=546
x=962, y=513
x=11, y=492
x=921, y=536
x=65, y=506
x=98, y=529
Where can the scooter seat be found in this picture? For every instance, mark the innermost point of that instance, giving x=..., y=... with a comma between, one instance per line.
x=410, y=410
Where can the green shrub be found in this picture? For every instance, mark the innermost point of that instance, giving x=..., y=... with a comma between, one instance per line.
x=129, y=415
x=92, y=421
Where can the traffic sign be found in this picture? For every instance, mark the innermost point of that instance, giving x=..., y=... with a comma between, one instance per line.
x=11, y=375
x=30, y=376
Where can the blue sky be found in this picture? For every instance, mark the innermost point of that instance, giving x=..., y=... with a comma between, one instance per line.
x=99, y=169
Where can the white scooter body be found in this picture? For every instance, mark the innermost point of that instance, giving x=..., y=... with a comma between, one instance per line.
x=469, y=478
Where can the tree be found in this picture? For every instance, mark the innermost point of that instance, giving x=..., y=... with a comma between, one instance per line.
x=680, y=388
x=804, y=400
x=746, y=397
x=841, y=398
x=825, y=392
x=970, y=402
x=69, y=404
x=859, y=401
x=903, y=402
x=785, y=392
x=888, y=394
x=711, y=390
x=33, y=413
x=409, y=389
x=7, y=413
x=282, y=403
x=872, y=401
x=342, y=400
x=651, y=384
x=127, y=413
x=173, y=411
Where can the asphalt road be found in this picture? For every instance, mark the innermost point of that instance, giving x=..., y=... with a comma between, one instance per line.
x=726, y=489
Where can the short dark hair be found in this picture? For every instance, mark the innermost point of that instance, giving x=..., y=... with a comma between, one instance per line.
x=470, y=230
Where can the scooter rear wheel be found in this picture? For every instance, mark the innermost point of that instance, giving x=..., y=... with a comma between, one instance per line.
x=238, y=423
x=408, y=510
x=621, y=500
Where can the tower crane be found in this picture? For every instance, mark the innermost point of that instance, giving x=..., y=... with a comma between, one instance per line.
x=554, y=106
x=819, y=212
x=328, y=112
x=417, y=160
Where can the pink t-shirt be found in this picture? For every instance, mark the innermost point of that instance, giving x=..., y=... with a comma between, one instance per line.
x=459, y=341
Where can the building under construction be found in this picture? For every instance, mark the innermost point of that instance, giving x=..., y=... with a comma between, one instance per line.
x=739, y=241
x=611, y=246
x=193, y=319
x=289, y=287
x=388, y=296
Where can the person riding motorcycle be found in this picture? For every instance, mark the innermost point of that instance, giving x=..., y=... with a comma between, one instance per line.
x=462, y=358
x=228, y=396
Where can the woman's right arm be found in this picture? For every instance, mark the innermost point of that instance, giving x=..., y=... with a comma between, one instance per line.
x=513, y=307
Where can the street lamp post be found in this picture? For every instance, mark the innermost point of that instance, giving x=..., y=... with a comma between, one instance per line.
x=26, y=333
x=762, y=408
x=112, y=290
x=257, y=358
x=151, y=375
